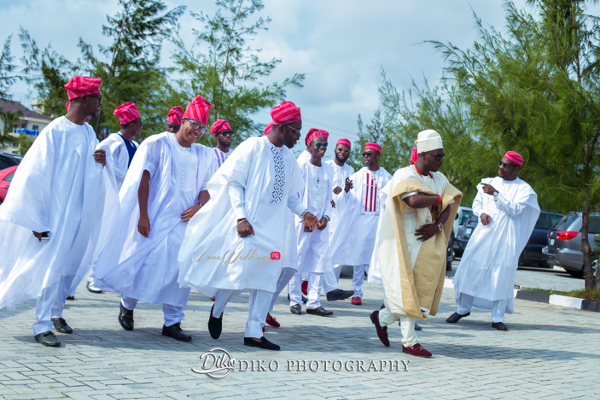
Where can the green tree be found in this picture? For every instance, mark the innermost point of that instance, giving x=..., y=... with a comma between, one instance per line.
x=533, y=90
x=7, y=79
x=228, y=74
x=129, y=67
x=46, y=72
x=25, y=142
x=8, y=121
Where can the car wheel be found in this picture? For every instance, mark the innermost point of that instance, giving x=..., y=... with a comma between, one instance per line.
x=575, y=274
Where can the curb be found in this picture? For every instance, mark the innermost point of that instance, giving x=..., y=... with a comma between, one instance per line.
x=554, y=299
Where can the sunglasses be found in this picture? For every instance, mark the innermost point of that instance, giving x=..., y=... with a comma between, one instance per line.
x=297, y=131
x=504, y=165
x=438, y=157
x=98, y=96
x=318, y=145
x=226, y=133
x=367, y=154
x=197, y=126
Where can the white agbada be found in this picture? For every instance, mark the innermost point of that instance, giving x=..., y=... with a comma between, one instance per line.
x=339, y=179
x=220, y=157
x=316, y=197
x=258, y=182
x=142, y=268
x=488, y=266
x=354, y=238
x=59, y=188
x=120, y=155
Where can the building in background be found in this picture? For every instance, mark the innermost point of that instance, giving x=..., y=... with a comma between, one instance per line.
x=30, y=123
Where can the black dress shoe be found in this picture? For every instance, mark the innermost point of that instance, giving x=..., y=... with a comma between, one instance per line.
x=176, y=333
x=215, y=325
x=418, y=327
x=500, y=326
x=126, y=318
x=339, y=294
x=296, y=309
x=61, y=325
x=319, y=311
x=70, y=297
x=263, y=344
x=48, y=339
x=454, y=318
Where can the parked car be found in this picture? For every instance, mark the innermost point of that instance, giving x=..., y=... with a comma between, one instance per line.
x=457, y=228
x=564, y=242
x=9, y=160
x=450, y=252
x=465, y=233
x=539, y=239
x=6, y=176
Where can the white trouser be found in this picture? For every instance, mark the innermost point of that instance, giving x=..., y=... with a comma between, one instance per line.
x=359, y=278
x=51, y=304
x=315, y=283
x=331, y=278
x=92, y=275
x=282, y=282
x=465, y=302
x=407, y=326
x=258, y=308
x=173, y=314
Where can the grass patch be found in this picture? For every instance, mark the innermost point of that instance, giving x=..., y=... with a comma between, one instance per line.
x=587, y=294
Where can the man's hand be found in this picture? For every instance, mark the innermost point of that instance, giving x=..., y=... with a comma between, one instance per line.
x=322, y=224
x=310, y=222
x=485, y=219
x=332, y=203
x=244, y=229
x=38, y=235
x=436, y=210
x=144, y=226
x=100, y=157
x=349, y=185
x=190, y=212
x=488, y=189
x=426, y=232
x=337, y=190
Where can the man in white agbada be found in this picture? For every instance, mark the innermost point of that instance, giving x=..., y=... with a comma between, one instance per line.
x=223, y=135
x=235, y=243
x=354, y=237
x=122, y=148
x=313, y=246
x=413, y=231
x=508, y=210
x=341, y=174
x=63, y=194
x=165, y=187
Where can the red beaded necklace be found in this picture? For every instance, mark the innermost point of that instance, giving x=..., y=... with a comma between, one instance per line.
x=418, y=172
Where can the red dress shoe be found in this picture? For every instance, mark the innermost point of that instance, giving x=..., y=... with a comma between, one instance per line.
x=304, y=288
x=213, y=298
x=272, y=321
x=356, y=301
x=263, y=328
x=416, y=350
x=381, y=332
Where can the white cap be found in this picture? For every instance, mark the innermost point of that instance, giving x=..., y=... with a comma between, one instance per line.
x=428, y=140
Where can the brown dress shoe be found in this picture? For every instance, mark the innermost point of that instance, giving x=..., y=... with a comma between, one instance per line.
x=416, y=350
x=381, y=331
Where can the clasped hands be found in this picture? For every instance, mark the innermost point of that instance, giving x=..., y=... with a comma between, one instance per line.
x=428, y=231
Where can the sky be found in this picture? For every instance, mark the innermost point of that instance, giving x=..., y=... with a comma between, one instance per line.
x=341, y=45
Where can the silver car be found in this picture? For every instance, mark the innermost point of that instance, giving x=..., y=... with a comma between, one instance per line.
x=564, y=242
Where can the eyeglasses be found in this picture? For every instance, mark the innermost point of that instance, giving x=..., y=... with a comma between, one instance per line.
x=197, y=126
x=226, y=133
x=438, y=157
x=98, y=96
x=297, y=131
x=321, y=144
x=367, y=154
x=504, y=165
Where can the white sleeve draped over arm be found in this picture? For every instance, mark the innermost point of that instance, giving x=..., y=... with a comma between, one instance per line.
x=511, y=208
x=477, y=204
x=236, y=196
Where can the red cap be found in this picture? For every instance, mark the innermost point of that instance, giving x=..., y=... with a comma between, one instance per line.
x=198, y=110
x=220, y=125
x=268, y=128
x=81, y=86
x=414, y=156
x=126, y=113
x=285, y=113
x=315, y=133
x=372, y=146
x=345, y=142
x=175, y=114
x=514, y=157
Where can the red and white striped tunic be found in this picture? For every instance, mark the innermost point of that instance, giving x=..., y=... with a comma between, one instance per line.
x=220, y=157
x=370, y=198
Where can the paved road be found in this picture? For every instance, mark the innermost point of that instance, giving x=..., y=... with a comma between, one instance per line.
x=549, y=353
x=541, y=278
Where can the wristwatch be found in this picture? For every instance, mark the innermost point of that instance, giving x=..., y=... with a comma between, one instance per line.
x=327, y=216
x=303, y=214
x=441, y=226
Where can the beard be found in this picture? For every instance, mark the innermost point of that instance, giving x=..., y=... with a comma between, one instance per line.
x=338, y=159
